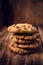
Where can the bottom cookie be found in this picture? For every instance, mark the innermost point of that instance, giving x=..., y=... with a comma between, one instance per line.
x=20, y=51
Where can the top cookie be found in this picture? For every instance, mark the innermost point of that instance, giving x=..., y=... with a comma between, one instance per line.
x=22, y=28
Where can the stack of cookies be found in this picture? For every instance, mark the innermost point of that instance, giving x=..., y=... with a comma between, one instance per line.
x=24, y=38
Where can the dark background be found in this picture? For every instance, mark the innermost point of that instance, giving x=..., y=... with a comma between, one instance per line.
x=20, y=11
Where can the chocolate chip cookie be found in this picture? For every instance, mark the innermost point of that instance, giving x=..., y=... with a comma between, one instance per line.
x=22, y=29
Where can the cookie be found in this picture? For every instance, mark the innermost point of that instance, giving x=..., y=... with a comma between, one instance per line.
x=22, y=51
x=22, y=28
x=23, y=42
x=32, y=37
x=16, y=50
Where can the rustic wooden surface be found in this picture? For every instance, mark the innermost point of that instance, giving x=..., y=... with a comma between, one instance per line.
x=8, y=58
